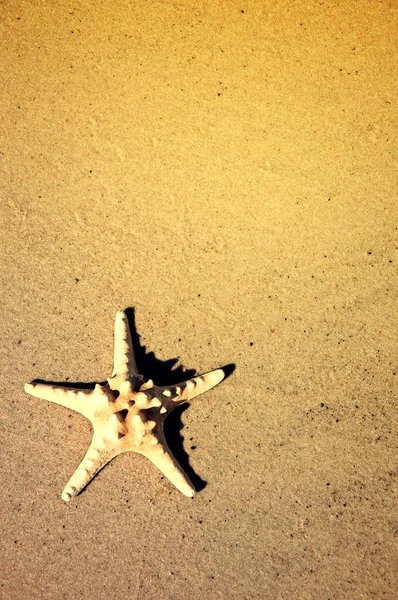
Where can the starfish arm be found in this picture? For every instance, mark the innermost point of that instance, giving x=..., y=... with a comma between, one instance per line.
x=124, y=361
x=72, y=398
x=174, y=395
x=161, y=456
x=102, y=450
x=84, y=401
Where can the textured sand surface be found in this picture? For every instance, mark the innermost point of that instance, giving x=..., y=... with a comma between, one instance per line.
x=228, y=170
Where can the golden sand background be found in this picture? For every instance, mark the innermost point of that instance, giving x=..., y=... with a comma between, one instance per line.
x=227, y=169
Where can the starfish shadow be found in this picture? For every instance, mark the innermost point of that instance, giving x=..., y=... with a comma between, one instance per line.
x=148, y=365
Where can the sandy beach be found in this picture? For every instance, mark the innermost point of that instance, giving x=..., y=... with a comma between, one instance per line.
x=227, y=173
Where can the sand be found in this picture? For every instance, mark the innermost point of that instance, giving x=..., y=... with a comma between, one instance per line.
x=227, y=171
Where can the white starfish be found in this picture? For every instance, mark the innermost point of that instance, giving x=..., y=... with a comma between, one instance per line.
x=127, y=414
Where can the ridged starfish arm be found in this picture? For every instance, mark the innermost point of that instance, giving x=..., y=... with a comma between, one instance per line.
x=85, y=401
x=174, y=395
x=101, y=451
x=162, y=457
x=124, y=365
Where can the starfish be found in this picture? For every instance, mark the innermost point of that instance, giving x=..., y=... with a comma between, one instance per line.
x=127, y=414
